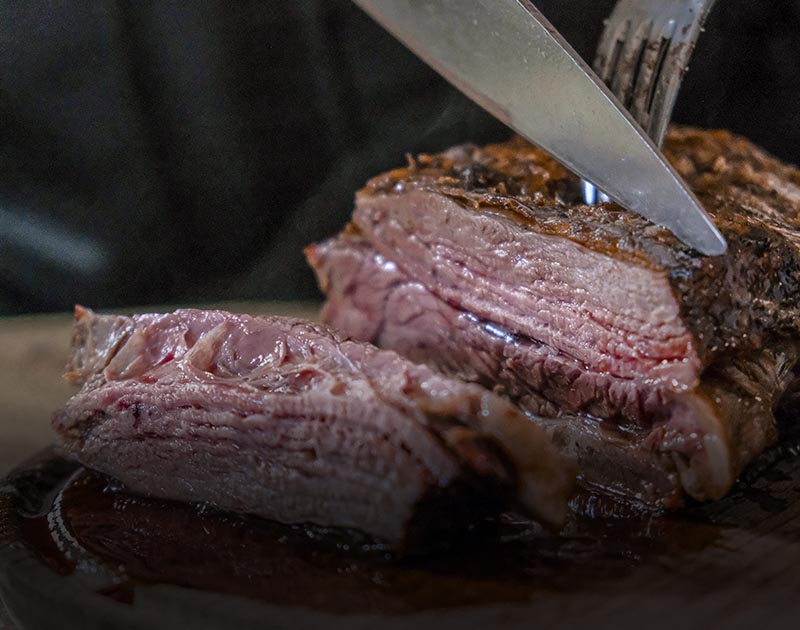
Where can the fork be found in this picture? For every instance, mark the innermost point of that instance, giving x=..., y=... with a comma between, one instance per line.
x=642, y=57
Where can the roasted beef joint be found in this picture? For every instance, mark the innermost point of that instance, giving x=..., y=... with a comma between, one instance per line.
x=657, y=368
x=298, y=423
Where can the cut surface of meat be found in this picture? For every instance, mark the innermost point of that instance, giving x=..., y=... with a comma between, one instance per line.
x=298, y=423
x=657, y=367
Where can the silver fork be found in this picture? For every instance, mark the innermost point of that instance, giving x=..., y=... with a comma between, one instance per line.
x=642, y=56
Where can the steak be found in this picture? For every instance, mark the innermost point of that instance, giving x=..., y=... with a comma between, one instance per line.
x=658, y=368
x=298, y=423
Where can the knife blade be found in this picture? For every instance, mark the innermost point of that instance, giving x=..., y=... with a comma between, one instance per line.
x=509, y=59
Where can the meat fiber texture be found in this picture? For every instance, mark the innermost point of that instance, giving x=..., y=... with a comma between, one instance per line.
x=658, y=368
x=297, y=423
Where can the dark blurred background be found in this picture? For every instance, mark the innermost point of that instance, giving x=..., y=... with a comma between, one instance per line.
x=157, y=152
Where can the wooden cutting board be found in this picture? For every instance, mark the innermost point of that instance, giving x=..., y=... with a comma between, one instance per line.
x=77, y=552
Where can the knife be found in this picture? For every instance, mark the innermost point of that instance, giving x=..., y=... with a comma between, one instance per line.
x=509, y=59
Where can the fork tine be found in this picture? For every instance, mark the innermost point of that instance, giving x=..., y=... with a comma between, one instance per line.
x=627, y=70
x=642, y=56
x=683, y=37
x=658, y=51
x=609, y=49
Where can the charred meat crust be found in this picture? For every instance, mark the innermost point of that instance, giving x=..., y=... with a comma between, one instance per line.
x=729, y=302
x=482, y=262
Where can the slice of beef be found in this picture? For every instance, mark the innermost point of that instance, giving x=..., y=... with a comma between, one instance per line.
x=658, y=367
x=298, y=423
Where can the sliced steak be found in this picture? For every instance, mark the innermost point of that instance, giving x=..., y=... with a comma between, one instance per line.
x=297, y=423
x=657, y=366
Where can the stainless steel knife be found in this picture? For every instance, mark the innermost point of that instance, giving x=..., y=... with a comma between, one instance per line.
x=509, y=59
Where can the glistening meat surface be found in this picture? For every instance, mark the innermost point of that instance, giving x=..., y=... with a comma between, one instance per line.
x=658, y=367
x=297, y=423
